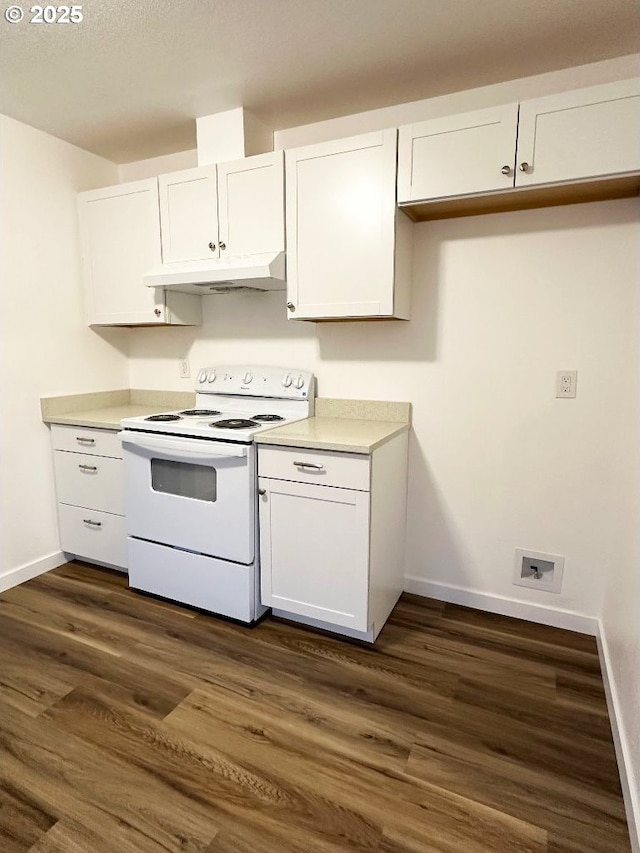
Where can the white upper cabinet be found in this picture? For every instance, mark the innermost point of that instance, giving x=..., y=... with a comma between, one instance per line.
x=120, y=238
x=567, y=145
x=580, y=134
x=229, y=209
x=344, y=237
x=251, y=204
x=466, y=153
x=189, y=214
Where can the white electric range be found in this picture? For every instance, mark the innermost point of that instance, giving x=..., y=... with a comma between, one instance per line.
x=191, y=487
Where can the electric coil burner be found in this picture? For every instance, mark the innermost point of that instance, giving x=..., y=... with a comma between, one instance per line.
x=163, y=418
x=191, y=487
x=199, y=413
x=235, y=423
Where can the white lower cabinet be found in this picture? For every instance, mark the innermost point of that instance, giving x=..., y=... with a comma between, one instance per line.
x=332, y=535
x=90, y=490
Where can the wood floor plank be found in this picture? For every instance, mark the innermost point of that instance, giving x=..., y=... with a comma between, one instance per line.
x=130, y=725
x=22, y=819
x=261, y=741
x=46, y=655
x=63, y=773
x=592, y=820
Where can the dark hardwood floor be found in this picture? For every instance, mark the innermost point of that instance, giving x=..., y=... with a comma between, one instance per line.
x=129, y=725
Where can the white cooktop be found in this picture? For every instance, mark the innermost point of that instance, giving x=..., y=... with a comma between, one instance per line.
x=239, y=394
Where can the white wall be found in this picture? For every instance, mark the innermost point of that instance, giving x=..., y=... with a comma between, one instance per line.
x=46, y=347
x=500, y=303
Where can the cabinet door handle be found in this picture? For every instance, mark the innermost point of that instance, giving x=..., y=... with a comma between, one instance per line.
x=88, y=467
x=157, y=311
x=212, y=246
x=506, y=170
x=223, y=246
x=309, y=465
x=82, y=440
x=92, y=523
x=262, y=491
x=291, y=306
x=524, y=166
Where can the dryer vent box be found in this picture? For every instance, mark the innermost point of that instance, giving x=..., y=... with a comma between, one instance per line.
x=538, y=570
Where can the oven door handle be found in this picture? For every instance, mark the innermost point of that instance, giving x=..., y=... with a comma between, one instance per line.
x=187, y=449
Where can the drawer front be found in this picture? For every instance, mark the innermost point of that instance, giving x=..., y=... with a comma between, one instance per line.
x=100, y=442
x=93, y=535
x=322, y=467
x=95, y=482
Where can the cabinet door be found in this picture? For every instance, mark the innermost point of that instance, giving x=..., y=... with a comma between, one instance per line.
x=314, y=549
x=120, y=237
x=467, y=153
x=579, y=134
x=251, y=204
x=189, y=214
x=340, y=216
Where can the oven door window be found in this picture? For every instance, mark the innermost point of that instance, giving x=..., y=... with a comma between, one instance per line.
x=184, y=479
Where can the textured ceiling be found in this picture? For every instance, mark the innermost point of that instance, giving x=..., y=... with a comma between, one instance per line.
x=128, y=81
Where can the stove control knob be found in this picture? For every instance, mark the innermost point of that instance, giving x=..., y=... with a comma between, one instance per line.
x=202, y=376
x=298, y=382
x=287, y=380
x=211, y=376
x=247, y=378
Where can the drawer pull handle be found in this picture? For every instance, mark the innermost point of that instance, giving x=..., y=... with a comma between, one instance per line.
x=82, y=440
x=309, y=465
x=88, y=467
x=92, y=523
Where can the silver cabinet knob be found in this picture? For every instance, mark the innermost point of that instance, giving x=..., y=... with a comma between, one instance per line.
x=524, y=167
x=291, y=306
x=223, y=246
x=212, y=246
x=506, y=170
x=157, y=311
x=262, y=491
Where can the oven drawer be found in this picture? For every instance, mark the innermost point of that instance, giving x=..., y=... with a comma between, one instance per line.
x=93, y=535
x=99, y=442
x=89, y=481
x=205, y=582
x=322, y=467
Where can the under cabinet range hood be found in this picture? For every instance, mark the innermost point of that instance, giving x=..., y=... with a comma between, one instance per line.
x=220, y=275
x=239, y=179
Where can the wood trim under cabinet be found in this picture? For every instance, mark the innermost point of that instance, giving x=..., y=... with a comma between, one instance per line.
x=526, y=198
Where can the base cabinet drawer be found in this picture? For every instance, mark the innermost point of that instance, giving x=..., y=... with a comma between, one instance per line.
x=89, y=481
x=93, y=535
x=318, y=467
x=100, y=442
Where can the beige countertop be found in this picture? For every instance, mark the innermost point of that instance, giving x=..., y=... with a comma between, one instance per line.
x=105, y=409
x=349, y=426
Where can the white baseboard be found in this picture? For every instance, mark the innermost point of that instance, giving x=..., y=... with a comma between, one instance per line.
x=31, y=570
x=623, y=753
x=553, y=616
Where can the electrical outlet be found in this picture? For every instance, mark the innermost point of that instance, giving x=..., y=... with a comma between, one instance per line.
x=184, y=368
x=566, y=381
